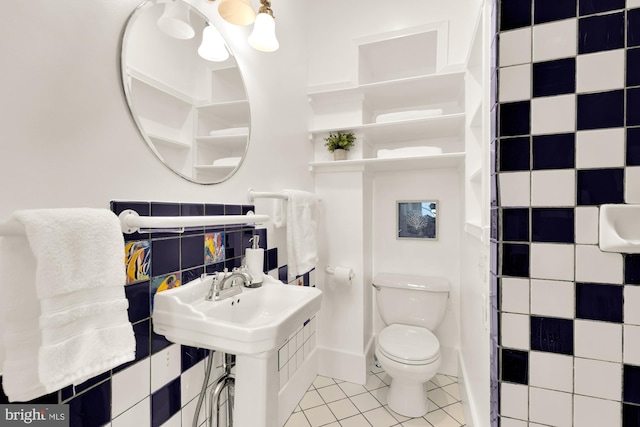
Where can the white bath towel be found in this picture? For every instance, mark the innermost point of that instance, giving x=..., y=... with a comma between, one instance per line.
x=301, y=220
x=68, y=275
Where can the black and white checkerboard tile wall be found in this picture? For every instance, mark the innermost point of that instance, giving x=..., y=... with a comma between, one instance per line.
x=566, y=135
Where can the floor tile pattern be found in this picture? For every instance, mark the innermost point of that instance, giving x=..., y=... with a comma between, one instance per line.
x=335, y=403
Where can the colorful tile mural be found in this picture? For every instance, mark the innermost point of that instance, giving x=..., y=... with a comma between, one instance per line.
x=162, y=283
x=137, y=260
x=213, y=248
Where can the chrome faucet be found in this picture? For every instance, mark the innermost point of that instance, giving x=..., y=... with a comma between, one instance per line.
x=220, y=287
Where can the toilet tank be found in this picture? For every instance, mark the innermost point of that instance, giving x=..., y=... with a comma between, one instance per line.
x=411, y=300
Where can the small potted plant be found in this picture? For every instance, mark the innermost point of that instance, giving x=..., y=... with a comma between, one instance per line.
x=339, y=143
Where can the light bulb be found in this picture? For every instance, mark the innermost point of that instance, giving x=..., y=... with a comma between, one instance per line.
x=175, y=22
x=213, y=46
x=263, y=37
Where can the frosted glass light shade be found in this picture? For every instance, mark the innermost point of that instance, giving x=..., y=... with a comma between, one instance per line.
x=237, y=12
x=175, y=21
x=263, y=37
x=212, y=47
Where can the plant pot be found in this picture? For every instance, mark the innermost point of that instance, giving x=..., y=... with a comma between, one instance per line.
x=339, y=154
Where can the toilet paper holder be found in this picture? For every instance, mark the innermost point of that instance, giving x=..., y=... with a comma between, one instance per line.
x=331, y=270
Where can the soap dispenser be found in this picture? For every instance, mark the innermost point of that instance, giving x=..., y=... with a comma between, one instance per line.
x=254, y=259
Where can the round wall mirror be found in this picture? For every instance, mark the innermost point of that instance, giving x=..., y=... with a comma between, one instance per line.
x=185, y=91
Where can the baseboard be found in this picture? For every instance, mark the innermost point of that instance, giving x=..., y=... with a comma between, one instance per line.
x=295, y=388
x=468, y=402
x=344, y=365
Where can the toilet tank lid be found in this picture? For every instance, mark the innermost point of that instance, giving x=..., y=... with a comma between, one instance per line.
x=409, y=281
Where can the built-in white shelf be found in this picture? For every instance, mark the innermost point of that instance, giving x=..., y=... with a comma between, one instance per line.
x=169, y=142
x=450, y=125
x=160, y=86
x=231, y=112
x=230, y=142
x=215, y=169
x=446, y=160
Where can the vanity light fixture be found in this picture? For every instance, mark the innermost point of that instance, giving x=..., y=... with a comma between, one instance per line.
x=213, y=47
x=263, y=36
x=237, y=12
x=175, y=21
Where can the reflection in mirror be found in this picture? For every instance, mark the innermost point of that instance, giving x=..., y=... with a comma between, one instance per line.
x=192, y=112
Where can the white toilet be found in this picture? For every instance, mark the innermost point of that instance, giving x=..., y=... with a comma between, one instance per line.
x=411, y=308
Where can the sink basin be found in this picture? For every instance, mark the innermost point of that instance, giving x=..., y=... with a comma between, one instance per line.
x=619, y=228
x=255, y=321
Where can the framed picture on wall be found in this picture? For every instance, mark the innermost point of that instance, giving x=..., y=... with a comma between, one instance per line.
x=417, y=219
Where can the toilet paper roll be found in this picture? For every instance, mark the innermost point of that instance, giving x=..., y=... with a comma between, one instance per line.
x=342, y=276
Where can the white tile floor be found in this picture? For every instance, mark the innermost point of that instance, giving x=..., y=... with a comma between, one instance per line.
x=335, y=403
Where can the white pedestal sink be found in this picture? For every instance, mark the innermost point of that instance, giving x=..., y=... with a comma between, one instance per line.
x=252, y=325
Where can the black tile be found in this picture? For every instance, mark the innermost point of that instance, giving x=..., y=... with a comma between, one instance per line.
x=633, y=67
x=633, y=107
x=138, y=297
x=190, y=275
x=633, y=147
x=589, y=7
x=93, y=408
x=190, y=356
x=600, y=33
x=552, y=335
x=632, y=269
x=214, y=210
x=495, y=220
x=306, y=280
x=245, y=209
x=165, y=256
x=272, y=259
x=515, y=366
x=630, y=415
x=232, y=263
x=515, y=260
x=599, y=186
x=92, y=382
x=552, y=225
x=514, y=14
x=554, y=77
x=165, y=403
x=494, y=257
x=554, y=151
x=633, y=27
x=192, y=209
x=262, y=233
x=599, y=302
x=515, y=118
x=553, y=10
x=213, y=268
x=514, y=154
x=192, y=251
x=515, y=224
x=233, y=210
x=233, y=244
x=600, y=110
x=165, y=209
x=142, y=208
x=631, y=384
x=283, y=274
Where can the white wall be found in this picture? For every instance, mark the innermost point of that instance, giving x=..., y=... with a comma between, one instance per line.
x=67, y=139
x=335, y=23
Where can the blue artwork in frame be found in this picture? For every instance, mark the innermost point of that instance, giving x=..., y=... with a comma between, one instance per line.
x=417, y=219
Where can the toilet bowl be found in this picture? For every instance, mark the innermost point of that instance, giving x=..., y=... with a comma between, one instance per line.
x=407, y=349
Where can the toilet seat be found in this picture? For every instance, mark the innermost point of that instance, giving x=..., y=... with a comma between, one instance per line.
x=410, y=345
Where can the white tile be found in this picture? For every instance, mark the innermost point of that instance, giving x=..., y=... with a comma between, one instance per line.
x=632, y=345
x=550, y=370
x=514, y=188
x=600, y=71
x=508, y=422
x=343, y=409
x=140, y=414
x=593, y=265
x=553, y=188
x=596, y=378
x=600, y=148
x=553, y=298
x=300, y=356
x=553, y=114
x=379, y=417
x=175, y=421
x=355, y=421
x=283, y=375
x=319, y=416
x=453, y=390
x=456, y=411
x=297, y=419
x=331, y=393
x=515, y=47
x=381, y=395
x=514, y=401
x=586, y=218
x=515, y=331
x=130, y=386
x=191, y=381
x=632, y=184
x=321, y=381
x=515, y=295
x=311, y=399
x=441, y=398
x=352, y=389
x=283, y=356
x=598, y=340
x=515, y=83
x=189, y=410
x=416, y=422
x=633, y=4
x=374, y=382
x=554, y=40
x=550, y=407
x=591, y=412
x=552, y=261
x=632, y=305
x=365, y=402
x=165, y=367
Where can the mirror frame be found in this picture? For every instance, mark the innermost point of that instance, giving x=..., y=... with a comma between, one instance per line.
x=127, y=89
